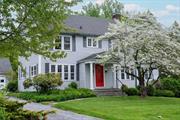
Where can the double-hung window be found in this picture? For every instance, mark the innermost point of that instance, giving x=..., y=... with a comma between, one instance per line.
x=63, y=42
x=33, y=70
x=60, y=70
x=66, y=70
x=91, y=42
x=72, y=74
x=53, y=68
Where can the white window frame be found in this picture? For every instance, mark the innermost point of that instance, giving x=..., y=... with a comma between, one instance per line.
x=92, y=41
x=62, y=42
x=62, y=71
x=33, y=73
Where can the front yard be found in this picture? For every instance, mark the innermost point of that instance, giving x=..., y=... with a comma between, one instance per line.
x=126, y=108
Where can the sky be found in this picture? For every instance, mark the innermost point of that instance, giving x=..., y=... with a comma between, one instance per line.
x=166, y=11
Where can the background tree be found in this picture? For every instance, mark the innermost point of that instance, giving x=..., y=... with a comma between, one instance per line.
x=105, y=10
x=30, y=26
x=175, y=31
x=141, y=44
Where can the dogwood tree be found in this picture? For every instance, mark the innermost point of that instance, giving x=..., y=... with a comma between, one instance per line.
x=175, y=31
x=142, y=44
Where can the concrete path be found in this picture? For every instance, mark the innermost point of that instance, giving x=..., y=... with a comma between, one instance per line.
x=58, y=115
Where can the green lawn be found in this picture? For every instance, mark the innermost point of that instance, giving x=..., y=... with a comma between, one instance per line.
x=126, y=108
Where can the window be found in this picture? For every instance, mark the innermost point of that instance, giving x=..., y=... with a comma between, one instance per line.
x=2, y=80
x=58, y=42
x=122, y=74
x=60, y=69
x=53, y=68
x=66, y=72
x=72, y=72
x=91, y=42
x=63, y=42
x=33, y=70
x=67, y=43
x=132, y=72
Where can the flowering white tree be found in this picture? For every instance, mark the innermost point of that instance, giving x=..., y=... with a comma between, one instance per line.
x=175, y=31
x=142, y=44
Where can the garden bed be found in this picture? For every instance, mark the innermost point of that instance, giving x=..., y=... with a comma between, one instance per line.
x=54, y=95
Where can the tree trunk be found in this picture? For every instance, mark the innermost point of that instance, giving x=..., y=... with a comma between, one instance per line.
x=143, y=90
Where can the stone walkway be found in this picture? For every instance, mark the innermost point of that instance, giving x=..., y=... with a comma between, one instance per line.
x=58, y=115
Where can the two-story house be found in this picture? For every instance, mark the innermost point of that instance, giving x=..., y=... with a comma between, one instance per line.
x=80, y=65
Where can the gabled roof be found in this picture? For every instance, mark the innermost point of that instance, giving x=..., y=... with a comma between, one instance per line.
x=86, y=25
x=93, y=57
x=5, y=65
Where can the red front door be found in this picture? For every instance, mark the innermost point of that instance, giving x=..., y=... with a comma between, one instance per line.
x=99, y=75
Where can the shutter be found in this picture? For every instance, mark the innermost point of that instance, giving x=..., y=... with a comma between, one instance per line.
x=77, y=72
x=73, y=43
x=84, y=41
x=100, y=43
x=37, y=70
x=46, y=67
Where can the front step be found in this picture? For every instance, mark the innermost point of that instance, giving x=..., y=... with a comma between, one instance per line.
x=108, y=92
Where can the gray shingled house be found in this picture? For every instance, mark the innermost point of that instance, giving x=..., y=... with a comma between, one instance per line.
x=5, y=67
x=81, y=64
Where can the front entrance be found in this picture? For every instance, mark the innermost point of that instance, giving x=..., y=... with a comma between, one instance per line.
x=99, y=71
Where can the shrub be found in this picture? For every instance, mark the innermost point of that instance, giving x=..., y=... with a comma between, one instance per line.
x=170, y=83
x=164, y=93
x=73, y=85
x=11, y=110
x=12, y=86
x=44, y=82
x=150, y=90
x=124, y=88
x=55, y=95
x=132, y=91
x=177, y=93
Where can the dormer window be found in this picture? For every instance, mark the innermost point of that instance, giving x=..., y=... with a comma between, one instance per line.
x=91, y=42
x=63, y=42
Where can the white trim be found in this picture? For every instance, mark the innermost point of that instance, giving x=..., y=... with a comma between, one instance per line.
x=39, y=64
x=62, y=43
x=91, y=77
x=92, y=40
x=62, y=71
x=114, y=72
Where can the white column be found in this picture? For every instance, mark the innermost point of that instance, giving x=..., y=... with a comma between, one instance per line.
x=39, y=64
x=115, y=81
x=91, y=77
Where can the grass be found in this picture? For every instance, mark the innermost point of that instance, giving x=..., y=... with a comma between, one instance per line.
x=126, y=108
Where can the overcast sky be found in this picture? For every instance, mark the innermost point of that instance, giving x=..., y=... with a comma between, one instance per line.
x=166, y=11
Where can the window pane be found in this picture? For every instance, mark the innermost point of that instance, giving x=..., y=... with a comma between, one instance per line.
x=53, y=67
x=89, y=42
x=2, y=80
x=65, y=76
x=60, y=68
x=72, y=76
x=122, y=74
x=72, y=68
x=94, y=43
x=58, y=42
x=65, y=68
x=67, y=43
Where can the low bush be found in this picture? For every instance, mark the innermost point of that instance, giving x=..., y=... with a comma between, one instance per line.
x=10, y=110
x=44, y=82
x=150, y=90
x=177, y=93
x=124, y=88
x=12, y=86
x=170, y=83
x=164, y=93
x=55, y=95
x=132, y=91
x=73, y=85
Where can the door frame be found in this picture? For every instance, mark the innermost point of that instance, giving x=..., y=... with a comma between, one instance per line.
x=103, y=76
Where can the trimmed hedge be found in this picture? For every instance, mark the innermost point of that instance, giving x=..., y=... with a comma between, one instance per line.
x=12, y=86
x=164, y=93
x=132, y=91
x=55, y=95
